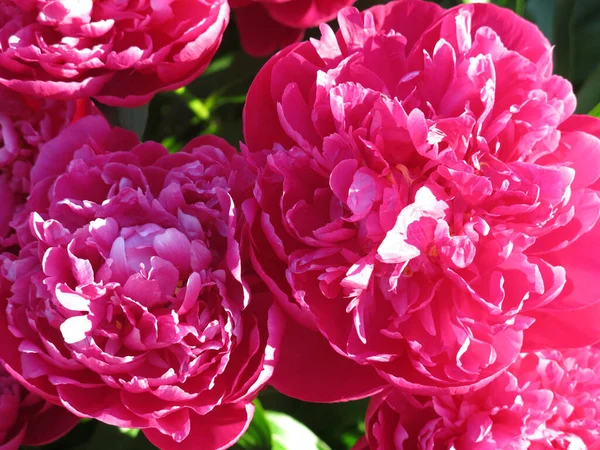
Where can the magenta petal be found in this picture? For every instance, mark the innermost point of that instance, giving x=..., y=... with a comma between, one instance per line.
x=49, y=426
x=573, y=319
x=219, y=429
x=310, y=370
x=100, y=403
x=260, y=35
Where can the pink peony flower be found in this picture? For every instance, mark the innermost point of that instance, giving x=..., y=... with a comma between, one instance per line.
x=546, y=400
x=129, y=305
x=25, y=418
x=424, y=196
x=26, y=123
x=265, y=26
x=121, y=52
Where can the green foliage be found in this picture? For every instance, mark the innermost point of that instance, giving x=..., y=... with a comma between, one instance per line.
x=290, y=434
x=259, y=435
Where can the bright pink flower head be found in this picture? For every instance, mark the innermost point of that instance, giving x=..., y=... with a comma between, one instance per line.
x=546, y=400
x=129, y=305
x=121, y=52
x=424, y=194
x=25, y=418
x=265, y=26
x=25, y=124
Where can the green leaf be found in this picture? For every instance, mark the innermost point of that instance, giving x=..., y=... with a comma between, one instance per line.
x=289, y=434
x=130, y=432
x=541, y=12
x=338, y=424
x=589, y=94
x=219, y=64
x=576, y=30
x=134, y=119
x=81, y=434
x=595, y=111
x=113, y=438
x=258, y=436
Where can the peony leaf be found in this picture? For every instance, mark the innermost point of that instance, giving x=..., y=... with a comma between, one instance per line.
x=106, y=436
x=130, y=432
x=595, y=111
x=134, y=119
x=289, y=434
x=541, y=12
x=258, y=436
x=589, y=94
x=576, y=30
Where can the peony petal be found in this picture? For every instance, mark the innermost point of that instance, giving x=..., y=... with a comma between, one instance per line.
x=306, y=356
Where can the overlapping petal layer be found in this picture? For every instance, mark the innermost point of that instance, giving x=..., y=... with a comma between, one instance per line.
x=129, y=304
x=25, y=124
x=424, y=195
x=546, y=400
x=119, y=51
x=265, y=26
x=25, y=418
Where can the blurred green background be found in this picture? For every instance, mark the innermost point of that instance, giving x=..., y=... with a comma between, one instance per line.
x=213, y=104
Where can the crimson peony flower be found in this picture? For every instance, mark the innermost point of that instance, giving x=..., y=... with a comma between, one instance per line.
x=121, y=52
x=546, y=400
x=129, y=305
x=424, y=196
x=265, y=26
x=26, y=123
x=25, y=418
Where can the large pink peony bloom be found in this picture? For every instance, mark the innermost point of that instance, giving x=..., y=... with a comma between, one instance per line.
x=25, y=124
x=119, y=51
x=128, y=305
x=546, y=400
x=25, y=418
x=265, y=26
x=424, y=195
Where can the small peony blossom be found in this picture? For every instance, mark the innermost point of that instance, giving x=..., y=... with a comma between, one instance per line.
x=129, y=304
x=426, y=200
x=265, y=26
x=120, y=52
x=25, y=124
x=25, y=418
x=546, y=400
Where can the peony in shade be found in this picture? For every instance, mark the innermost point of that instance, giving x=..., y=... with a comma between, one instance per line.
x=265, y=26
x=425, y=202
x=25, y=418
x=546, y=400
x=129, y=304
x=120, y=52
x=25, y=124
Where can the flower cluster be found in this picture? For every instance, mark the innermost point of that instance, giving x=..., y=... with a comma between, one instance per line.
x=412, y=216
